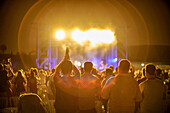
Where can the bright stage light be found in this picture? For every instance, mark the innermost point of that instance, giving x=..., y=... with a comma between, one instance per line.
x=77, y=63
x=95, y=36
x=78, y=36
x=142, y=64
x=115, y=60
x=59, y=34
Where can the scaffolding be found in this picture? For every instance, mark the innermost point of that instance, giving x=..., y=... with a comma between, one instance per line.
x=49, y=54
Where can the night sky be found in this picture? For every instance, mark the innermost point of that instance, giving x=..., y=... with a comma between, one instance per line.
x=147, y=21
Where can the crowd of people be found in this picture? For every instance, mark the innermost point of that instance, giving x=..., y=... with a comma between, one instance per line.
x=87, y=90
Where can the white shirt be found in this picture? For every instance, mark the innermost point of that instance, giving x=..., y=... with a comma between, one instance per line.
x=154, y=94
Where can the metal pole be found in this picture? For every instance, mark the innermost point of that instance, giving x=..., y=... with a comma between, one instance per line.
x=37, y=45
x=50, y=50
x=126, y=42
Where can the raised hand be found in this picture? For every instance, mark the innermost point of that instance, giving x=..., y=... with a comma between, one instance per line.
x=67, y=56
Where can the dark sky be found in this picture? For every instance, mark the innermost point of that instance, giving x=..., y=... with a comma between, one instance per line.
x=147, y=21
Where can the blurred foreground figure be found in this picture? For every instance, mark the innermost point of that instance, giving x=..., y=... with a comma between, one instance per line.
x=122, y=91
x=66, y=99
x=153, y=92
x=89, y=90
x=30, y=103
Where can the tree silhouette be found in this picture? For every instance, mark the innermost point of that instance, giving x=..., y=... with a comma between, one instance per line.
x=3, y=48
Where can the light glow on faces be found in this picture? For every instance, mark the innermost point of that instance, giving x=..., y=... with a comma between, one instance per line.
x=60, y=34
x=95, y=36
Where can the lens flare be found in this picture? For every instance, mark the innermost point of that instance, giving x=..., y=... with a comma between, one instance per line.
x=95, y=36
x=60, y=34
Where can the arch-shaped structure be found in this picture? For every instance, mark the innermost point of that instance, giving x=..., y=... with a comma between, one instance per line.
x=46, y=16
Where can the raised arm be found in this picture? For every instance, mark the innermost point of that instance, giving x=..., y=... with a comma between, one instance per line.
x=67, y=57
x=76, y=70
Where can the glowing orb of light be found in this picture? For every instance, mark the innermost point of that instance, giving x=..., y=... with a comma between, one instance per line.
x=142, y=64
x=114, y=60
x=95, y=36
x=77, y=63
x=59, y=34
